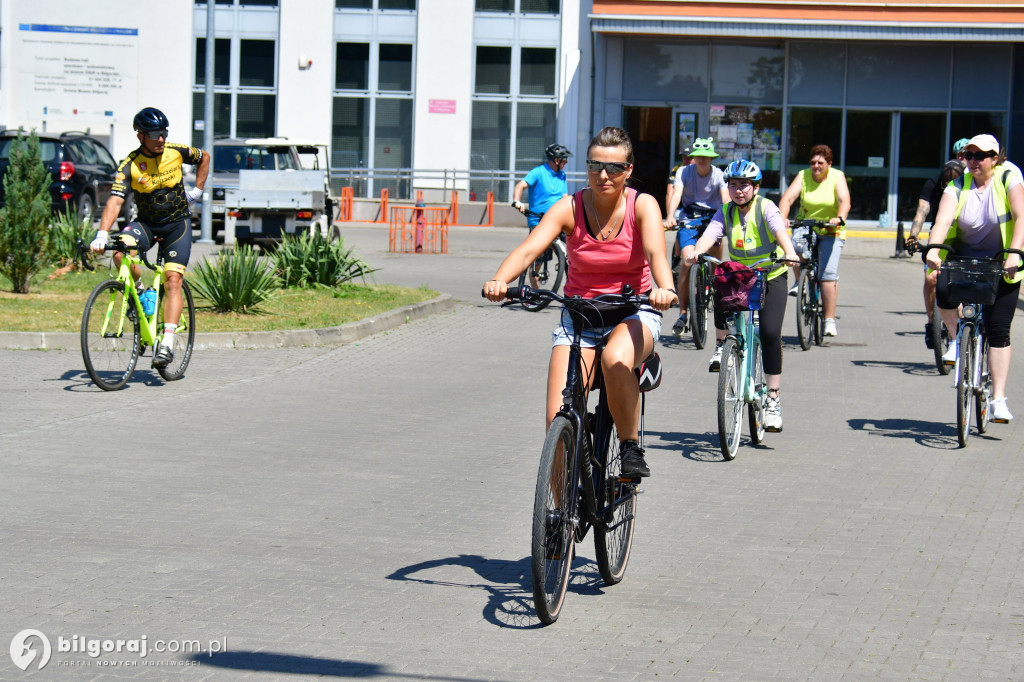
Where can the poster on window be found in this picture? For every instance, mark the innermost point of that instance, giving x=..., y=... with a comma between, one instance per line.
x=686, y=130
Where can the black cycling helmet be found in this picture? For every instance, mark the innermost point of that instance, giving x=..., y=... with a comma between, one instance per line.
x=557, y=151
x=148, y=119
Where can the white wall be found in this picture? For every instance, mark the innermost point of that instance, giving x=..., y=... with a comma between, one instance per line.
x=70, y=81
x=304, y=102
x=444, y=72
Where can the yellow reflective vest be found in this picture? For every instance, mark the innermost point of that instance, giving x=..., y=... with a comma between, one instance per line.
x=748, y=245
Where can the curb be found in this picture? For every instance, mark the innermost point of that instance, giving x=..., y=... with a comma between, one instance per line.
x=330, y=336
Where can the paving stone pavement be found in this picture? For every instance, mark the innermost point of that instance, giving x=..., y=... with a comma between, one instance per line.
x=364, y=510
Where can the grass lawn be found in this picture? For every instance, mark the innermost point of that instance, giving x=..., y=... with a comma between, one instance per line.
x=55, y=305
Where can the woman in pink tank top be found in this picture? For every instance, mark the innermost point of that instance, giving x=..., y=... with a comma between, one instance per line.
x=614, y=237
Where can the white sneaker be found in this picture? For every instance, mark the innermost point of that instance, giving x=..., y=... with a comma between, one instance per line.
x=773, y=414
x=680, y=326
x=999, y=412
x=949, y=357
x=716, y=359
x=830, y=327
x=793, y=290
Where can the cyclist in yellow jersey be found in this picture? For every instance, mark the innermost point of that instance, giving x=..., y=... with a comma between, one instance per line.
x=825, y=196
x=153, y=174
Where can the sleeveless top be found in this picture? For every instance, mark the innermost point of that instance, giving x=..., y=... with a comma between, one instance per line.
x=818, y=201
x=597, y=267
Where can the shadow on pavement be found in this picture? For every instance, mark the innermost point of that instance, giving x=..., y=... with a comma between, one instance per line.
x=700, y=447
x=939, y=436
x=912, y=368
x=268, y=661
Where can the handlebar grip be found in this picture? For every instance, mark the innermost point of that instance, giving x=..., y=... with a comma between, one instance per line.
x=513, y=293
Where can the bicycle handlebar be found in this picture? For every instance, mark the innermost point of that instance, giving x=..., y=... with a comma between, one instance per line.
x=811, y=222
x=80, y=250
x=773, y=259
x=952, y=252
x=528, y=294
x=115, y=244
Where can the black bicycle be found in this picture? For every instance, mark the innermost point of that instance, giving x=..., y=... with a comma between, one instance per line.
x=579, y=482
x=702, y=298
x=972, y=282
x=810, y=312
x=547, y=272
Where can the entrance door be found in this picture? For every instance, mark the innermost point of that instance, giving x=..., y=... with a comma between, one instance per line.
x=650, y=129
x=922, y=142
x=867, y=162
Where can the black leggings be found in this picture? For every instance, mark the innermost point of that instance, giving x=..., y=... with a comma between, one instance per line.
x=772, y=314
x=998, y=316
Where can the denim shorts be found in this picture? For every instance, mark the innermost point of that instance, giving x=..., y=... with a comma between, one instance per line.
x=829, y=251
x=563, y=333
x=686, y=237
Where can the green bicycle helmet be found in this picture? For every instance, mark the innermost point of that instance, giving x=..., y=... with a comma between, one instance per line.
x=959, y=145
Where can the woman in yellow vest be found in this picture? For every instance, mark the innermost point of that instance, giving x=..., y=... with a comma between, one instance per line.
x=978, y=216
x=754, y=229
x=825, y=196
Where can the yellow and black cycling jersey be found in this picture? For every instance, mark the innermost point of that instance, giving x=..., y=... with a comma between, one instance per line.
x=156, y=182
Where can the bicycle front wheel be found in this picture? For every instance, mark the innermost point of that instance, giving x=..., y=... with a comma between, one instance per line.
x=617, y=508
x=755, y=410
x=804, y=311
x=184, y=336
x=698, y=306
x=964, y=390
x=553, y=507
x=110, y=336
x=940, y=340
x=730, y=399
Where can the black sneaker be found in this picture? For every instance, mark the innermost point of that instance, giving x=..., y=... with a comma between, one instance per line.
x=928, y=335
x=162, y=357
x=633, y=463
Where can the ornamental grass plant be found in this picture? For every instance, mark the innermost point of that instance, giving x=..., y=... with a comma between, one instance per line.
x=238, y=281
x=308, y=261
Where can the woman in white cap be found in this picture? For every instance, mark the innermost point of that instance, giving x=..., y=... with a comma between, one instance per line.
x=978, y=217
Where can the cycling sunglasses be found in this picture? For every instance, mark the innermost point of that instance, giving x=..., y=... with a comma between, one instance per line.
x=977, y=156
x=156, y=134
x=609, y=167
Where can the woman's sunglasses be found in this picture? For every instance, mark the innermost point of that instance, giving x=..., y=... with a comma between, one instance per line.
x=609, y=167
x=977, y=156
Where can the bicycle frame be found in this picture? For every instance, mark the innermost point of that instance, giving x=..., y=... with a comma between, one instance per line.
x=750, y=345
x=147, y=323
x=975, y=328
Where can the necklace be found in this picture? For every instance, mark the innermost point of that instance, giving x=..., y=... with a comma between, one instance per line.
x=605, y=233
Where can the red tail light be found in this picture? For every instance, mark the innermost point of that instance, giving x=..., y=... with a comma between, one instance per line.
x=304, y=215
x=66, y=196
x=67, y=169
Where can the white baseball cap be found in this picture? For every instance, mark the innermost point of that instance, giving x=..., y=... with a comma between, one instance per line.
x=986, y=143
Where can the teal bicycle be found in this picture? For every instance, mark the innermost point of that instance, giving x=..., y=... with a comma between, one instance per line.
x=741, y=380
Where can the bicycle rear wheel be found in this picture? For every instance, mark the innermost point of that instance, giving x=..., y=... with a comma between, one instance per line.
x=755, y=410
x=698, y=305
x=730, y=399
x=964, y=390
x=184, y=336
x=110, y=336
x=940, y=340
x=804, y=311
x=553, y=509
x=617, y=507
x=983, y=392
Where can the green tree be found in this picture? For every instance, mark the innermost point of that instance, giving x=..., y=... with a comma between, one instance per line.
x=25, y=216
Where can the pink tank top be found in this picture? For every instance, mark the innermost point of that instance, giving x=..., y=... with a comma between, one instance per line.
x=597, y=267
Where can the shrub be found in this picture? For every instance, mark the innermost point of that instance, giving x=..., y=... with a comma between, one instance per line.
x=307, y=261
x=25, y=216
x=65, y=232
x=238, y=281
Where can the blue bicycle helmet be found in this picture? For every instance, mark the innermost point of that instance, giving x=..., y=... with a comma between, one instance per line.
x=741, y=169
x=149, y=119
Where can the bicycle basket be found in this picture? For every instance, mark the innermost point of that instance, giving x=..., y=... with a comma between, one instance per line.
x=802, y=241
x=971, y=281
x=737, y=287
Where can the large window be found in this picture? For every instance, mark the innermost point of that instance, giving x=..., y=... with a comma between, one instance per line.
x=380, y=4
x=753, y=133
x=666, y=70
x=514, y=110
x=373, y=118
x=525, y=6
x=245, y=97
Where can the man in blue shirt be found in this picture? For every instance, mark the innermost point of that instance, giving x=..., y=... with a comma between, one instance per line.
x=546, y=182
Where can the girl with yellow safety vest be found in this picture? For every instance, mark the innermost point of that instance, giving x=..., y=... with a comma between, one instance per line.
x=978, y=216
x=754, y=229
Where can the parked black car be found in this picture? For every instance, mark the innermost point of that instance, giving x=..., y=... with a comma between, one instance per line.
x=82, y=170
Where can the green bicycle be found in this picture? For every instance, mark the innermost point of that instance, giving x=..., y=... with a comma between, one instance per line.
x=116, y=330
x=741, y=379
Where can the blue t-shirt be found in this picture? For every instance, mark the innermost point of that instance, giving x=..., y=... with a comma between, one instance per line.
x=546, y=187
